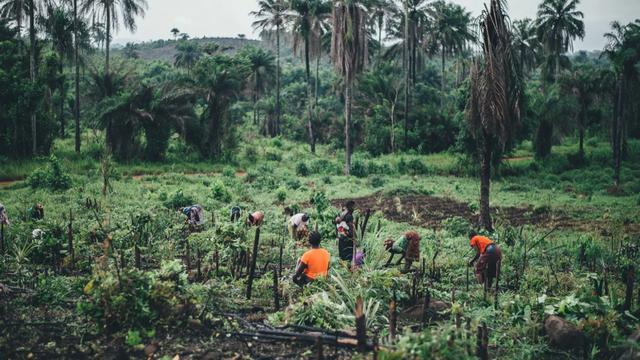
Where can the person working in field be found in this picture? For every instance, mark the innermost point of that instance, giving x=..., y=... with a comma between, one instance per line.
x=36, y=212
x=299, y=226
x=407, y=246
x=313, y=263
x=4, y=218
x=488, y=255
x=235, y=213
x=194, y=214
x=255, y=219
x=346, y=231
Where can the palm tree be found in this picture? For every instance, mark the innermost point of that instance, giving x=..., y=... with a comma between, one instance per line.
x=187, y=55
x=270, y=16
x=175, y=33
x=493, y=106
x=583, y=83
x=449, y=32
x=14, y=10
x=305, y=17
x=623, y=49
x=349, y=52
x=559, y=23
x=527, y=44
x=262, y=66
x=115, y=12
x=58, y=24
x=76, y=64
x=380, y=11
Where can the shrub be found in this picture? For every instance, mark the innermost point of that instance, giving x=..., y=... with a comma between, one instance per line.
x=281, y=194
x=52, y=177
x=250, y=153
x=326, y=179
x=228, y=171
x=302, y=169
x=359, y=169
x=293, y=184
x=323, y=166
x=220, y=192
x=137, y=300
x=177, y=200
x=417, y=167
x=457, y=226
x=273, y=156
x=377, y=181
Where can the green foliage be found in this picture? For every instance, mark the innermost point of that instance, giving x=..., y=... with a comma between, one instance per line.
x=135, y=300
x=178, y=200
x=302, y=169
x=281, y=194
x=53, y=177
x=457, y=226
x=219, y=191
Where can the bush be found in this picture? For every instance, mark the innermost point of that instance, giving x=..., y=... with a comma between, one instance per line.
x=220, y=192
x=228, y=171
x=359, y=169
x=52, y=177
x=412, y=167
x=250, y=153
x=273, y=156
x=281, y=194
x=177, y=200
x=138, y=300
x=377, y=181
x=457, y=226
x=324, y=167
x=293, y=184
x=302, y=169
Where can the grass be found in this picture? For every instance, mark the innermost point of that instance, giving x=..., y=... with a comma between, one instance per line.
x=263, y=176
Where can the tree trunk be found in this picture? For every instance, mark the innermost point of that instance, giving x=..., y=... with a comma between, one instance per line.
x=277, y=132
x=32, y=71
x=347, y=123
x=62, y=94
x=405, y=64
x=485, y=183
x=380, y=24
x=76, y=111
x=308, y=76
x=617, y=133
x=255, y=99
x=581, y=132
x=108, y=41
x=442, y=81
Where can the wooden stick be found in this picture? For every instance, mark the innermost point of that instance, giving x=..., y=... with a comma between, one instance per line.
x=254, y=258
x=393, y=318
x=498, y=266
x=199, y=264
x=2, y=239
x=425, y=306
x=280, y=258
x=70, y=240
x=276, y=290
x=482, y=342
x=361, y=325
x=319, y=354
x=467, y=286
x=630, y=280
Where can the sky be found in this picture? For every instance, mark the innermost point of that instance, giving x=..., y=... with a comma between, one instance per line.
x=228, y=18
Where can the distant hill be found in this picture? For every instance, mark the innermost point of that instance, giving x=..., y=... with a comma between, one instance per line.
x=166, y=49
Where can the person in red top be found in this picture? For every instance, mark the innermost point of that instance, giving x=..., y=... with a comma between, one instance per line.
x=255, y=219
x=488, y=255
x=314, y=263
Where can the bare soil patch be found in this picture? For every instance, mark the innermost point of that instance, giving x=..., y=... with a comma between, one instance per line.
x=430, y=212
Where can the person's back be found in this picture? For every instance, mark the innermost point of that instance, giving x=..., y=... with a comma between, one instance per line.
x=317, y=261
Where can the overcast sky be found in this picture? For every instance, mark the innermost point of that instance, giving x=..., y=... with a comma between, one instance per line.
x=228, y=18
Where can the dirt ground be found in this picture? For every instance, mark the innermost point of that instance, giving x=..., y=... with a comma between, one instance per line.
x=430, y=212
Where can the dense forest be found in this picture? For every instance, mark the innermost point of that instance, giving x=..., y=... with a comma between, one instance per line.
x=427, y=116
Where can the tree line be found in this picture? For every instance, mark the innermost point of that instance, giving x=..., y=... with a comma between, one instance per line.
x=402, y=78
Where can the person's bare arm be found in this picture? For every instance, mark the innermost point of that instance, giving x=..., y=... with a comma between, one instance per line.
x=475, y=257
x=300, y=269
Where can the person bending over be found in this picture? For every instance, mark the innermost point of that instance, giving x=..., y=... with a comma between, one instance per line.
x=298, y=226
x=407, y=246
x=313, y=263
x=255, y=219
x=488, y=255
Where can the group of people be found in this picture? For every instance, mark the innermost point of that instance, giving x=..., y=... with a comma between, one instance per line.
x=316, y=261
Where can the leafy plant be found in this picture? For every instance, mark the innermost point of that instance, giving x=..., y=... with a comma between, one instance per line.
x=53, y=177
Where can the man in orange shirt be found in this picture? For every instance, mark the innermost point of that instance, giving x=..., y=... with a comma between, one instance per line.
x=488, y=255
x=313, y=263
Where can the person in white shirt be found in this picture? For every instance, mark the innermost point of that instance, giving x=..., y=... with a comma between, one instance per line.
x=298, y=226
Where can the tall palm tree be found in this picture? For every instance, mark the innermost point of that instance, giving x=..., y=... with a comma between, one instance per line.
x=493, y=106
x=349, y=52
x=187, y=55
x=559, y=23
x=304, y=17
x=76, y=64
x=58, y=24
x=262, y=66
x=114, y=12
x=449, y=32
x=14, y=10
x=175, y=32
x=583, y=83
x=623, y=49
x=380, y=11
x=271, y=16
x=527, y=44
